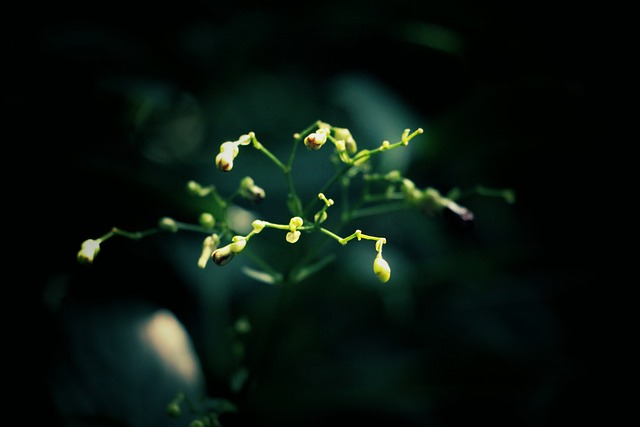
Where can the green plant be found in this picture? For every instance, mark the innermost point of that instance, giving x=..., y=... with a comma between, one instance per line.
x=377, y=192
x=392, y=192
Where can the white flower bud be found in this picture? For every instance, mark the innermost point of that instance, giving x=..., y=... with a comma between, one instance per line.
x=88, y=251
x=315, y=140
x=223, y=256
x=224, y=161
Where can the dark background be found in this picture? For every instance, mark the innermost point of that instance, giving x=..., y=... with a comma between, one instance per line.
x=114, y=106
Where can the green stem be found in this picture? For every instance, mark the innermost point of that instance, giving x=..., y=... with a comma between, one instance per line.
x=332, y=235
x=326, y=186
x=135, y=235
x=258, y=146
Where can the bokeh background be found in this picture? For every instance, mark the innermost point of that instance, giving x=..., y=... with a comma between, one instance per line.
x=118, y=104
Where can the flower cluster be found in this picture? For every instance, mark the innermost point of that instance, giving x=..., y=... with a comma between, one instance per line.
x=398, y=191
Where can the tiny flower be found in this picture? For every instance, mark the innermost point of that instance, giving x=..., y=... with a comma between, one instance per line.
x=230, y=147
x=222, y=256
x=209, y=245
x=239, y=242
x=194, y=187
x=293, y=236
x=258, y=225
x=458, y=216
x=168, y=224
x=224, y=161
x=207, y=220
x=249, y=190
x=320, y=216
x=88, y=251
x=315, y=140
x=295, y=222
x=244, y=139
x=381, y=268
x=228, y=152
x=345, y=135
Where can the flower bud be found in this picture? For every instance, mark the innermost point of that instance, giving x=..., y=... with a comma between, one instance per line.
x=88, y=251
x=209, y=245
x=244, y=139
x=293, y=236
x=320, y=216
x=194, y=188
x=230, y=147
x=168, y=224
x=207, y=220
x=239, y=242
x=458, y=216
x=258, y=225
x=315, y=140
x=295, y=222
x=345, y=135
x=351, y=146
x=224, y=161
x=222, y=256
x=381, y=269
x=249, y=190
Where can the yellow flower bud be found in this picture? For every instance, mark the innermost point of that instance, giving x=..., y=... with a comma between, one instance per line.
x=345, y=135
x=295, y=222
x=381, y=269
x=293, y=236
x=209, y=245
x=239, y=242
x=320, y=217
x=207, y=220
x=258, y=225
